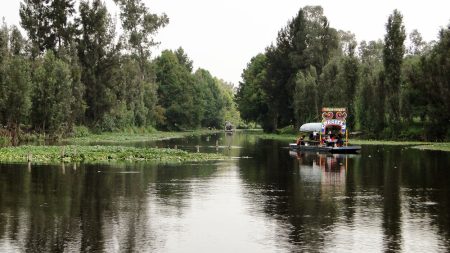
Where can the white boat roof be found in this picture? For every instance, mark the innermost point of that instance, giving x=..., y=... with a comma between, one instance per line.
x=311, y=127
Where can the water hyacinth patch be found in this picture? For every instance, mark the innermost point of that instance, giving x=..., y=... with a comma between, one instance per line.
x=74, y=153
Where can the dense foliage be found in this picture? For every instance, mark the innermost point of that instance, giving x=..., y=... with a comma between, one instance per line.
x=389, y=90
x=75, y=69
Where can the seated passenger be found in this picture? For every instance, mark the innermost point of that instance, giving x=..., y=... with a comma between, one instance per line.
x=300, y=141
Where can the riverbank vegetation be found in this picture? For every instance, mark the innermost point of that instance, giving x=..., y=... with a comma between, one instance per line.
x=133, y=135
x=99, y=154
x=435, y=146
x=392, y=90
x=75, y=69
x=441, y=146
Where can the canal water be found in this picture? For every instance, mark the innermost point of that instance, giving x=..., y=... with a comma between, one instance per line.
x=262, y=199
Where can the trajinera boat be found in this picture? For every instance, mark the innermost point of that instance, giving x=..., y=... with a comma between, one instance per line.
x=330, y=135
x=229, y=129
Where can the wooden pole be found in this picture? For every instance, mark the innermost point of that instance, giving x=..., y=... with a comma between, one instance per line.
x=320, y=137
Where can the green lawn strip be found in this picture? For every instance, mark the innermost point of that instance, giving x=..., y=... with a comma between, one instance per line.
x=435, y=146
x=52, y=154
x=278, y=137
x=444, y=146
x=132, y=137
x=388, y=143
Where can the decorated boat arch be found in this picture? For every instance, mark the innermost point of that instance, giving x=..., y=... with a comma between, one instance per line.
x=334, y=117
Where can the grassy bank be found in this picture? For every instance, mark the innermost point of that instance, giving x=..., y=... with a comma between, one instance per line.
x=120, y=137
x=389, y=143
x=444, y=146
x=278, y=137
x=74, y=153
x=435, y=146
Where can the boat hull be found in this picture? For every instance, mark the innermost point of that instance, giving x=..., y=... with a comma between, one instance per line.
x=342, y=150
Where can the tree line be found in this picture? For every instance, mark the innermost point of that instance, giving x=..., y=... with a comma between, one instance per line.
x=390, y=91
x=73, y=68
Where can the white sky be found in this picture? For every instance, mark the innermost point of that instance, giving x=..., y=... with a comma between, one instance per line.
x=222, y=36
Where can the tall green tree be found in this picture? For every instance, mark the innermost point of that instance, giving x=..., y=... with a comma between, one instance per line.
x=417, y=45
x=62, y=28
x=322, y=40
x=351, y=82
x=183, y=59
x=371, y=52
x=279, y=86
x=99, y=60
x=79, y=106
x=251, y=98
x=34, y=19
x=48, y=23
x=370, y=92
x=393, y=53
x=4, y=61
x=132, y=91
x=17, y=105
x=306, y=41
x=17, y=41
x=15, y=81
x=369, y=113
x=347, y=42
x=177, y=93
x=52, y=95
x=436, y=66
x=331, y=84
x=210, y=99
x=306, y=92
x=140, y=26
x=230, y=111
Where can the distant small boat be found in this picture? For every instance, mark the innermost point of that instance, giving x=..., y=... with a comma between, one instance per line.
x=229, y=128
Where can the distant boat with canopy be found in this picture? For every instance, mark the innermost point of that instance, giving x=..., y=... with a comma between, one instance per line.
x=229, y=129
x=330, y=135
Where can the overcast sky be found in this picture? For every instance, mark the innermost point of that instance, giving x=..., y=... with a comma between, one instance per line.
x=222, y=36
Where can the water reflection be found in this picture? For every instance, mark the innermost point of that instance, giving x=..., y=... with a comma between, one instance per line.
x=264, y=199
x=328, y=169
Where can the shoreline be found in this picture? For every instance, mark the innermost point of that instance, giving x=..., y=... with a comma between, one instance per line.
x=436, y=146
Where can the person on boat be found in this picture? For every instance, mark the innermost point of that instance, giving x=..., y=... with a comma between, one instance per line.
x=340, y=142
x=327, y=140
x=300, y=141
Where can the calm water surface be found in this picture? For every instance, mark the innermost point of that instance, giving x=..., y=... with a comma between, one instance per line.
x=263, y=199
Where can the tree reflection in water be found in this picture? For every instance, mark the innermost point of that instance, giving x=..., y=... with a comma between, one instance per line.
x=261, y=200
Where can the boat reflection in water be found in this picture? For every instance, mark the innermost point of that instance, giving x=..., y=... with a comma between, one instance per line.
x=324, y=168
